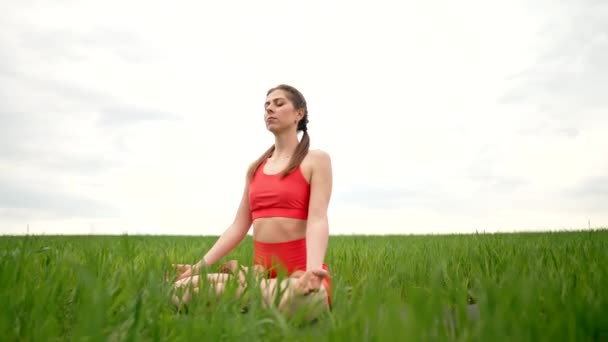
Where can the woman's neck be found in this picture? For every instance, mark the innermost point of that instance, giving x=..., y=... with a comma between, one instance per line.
x=285, y=144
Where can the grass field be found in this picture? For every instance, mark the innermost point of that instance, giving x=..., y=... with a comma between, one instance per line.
x=516, y=287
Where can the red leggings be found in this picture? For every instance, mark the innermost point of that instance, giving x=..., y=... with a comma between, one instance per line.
x=286, y=257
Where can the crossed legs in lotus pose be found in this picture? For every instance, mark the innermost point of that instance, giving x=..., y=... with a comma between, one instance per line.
x=296, y=291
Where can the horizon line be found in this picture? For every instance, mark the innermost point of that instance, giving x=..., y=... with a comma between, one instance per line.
x=476, y=232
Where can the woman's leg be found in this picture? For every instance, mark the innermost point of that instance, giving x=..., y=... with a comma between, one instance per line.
x=295, y=295
x=183, y=287
x=217, y=281
x=290, y=295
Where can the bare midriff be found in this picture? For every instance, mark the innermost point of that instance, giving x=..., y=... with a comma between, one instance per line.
x=278, y=229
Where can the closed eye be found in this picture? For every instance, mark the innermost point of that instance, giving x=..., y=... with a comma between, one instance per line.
x=277, y=102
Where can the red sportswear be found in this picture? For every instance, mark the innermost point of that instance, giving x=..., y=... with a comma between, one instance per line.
x=273, y=196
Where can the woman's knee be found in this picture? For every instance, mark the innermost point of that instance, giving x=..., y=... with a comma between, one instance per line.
x=309, y=306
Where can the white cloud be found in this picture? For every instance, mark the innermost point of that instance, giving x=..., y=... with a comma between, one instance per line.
x=155, y=109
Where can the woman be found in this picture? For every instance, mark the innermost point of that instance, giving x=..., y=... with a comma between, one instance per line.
x=286, y=197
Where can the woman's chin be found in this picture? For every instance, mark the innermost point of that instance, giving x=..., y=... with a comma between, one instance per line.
x=273, y=128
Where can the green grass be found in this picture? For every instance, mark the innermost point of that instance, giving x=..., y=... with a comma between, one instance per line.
x=526, y=287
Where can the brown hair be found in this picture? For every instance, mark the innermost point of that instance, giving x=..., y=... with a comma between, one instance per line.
x=298, y=101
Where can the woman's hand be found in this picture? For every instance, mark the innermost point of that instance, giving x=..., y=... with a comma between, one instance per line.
x=188, y=272
x=231, y=266
x=185, y=271
x=310, y=281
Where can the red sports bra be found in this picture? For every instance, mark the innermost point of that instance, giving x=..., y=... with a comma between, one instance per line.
x=271, y=196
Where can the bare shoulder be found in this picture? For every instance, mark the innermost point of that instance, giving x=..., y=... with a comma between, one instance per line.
x=316, y=162
x=251, y=164
x=320, y=184
x=319, y=158
x=320, y=163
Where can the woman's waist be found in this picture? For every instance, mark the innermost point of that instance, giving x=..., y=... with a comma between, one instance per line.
x=278, y=229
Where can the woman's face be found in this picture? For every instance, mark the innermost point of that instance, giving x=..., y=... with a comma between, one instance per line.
x=279, y=112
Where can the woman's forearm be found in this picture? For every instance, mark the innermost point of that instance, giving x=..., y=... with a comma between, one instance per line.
x=317, y=236
x=224, y=245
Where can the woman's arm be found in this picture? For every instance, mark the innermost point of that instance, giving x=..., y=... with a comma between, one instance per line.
x=317, y=228
x=231, y=237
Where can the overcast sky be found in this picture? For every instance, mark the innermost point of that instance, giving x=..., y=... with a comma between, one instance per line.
x=439, y=116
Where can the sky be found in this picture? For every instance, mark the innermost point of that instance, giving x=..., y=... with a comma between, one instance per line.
x=141, y=117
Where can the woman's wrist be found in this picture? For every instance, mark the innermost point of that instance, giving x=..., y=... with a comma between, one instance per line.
x=201, y=265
